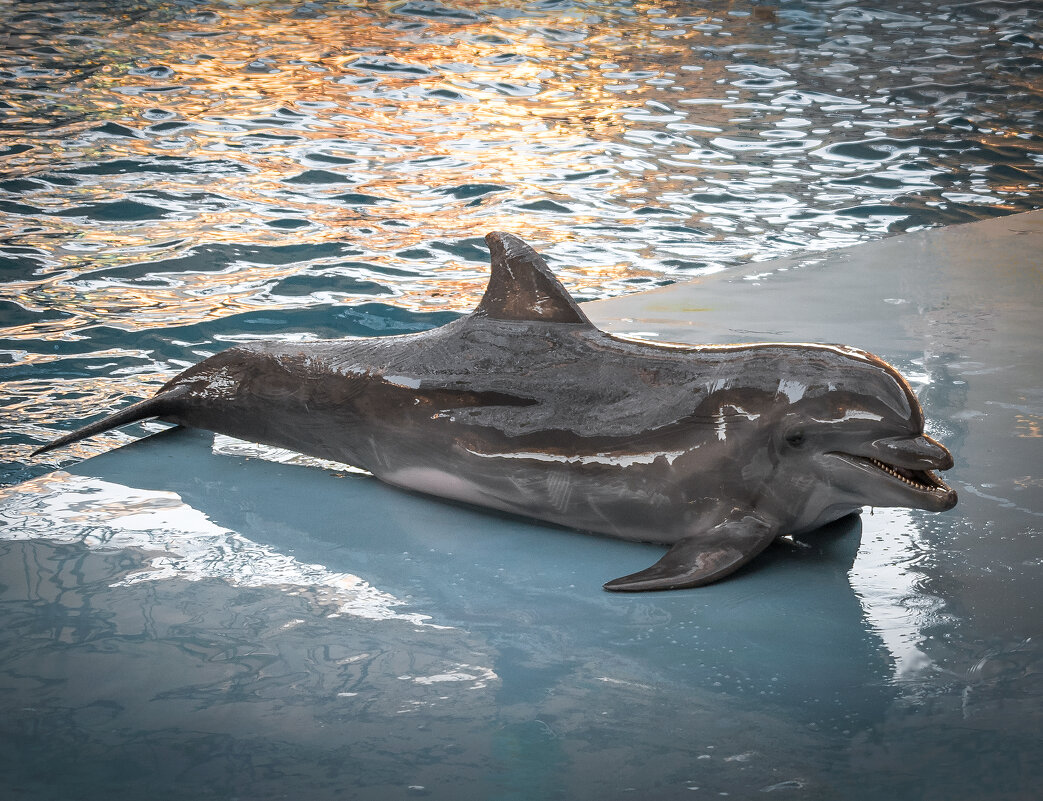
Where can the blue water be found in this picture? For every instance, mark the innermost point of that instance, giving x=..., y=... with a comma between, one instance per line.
x=178, y=176
x=183, y=620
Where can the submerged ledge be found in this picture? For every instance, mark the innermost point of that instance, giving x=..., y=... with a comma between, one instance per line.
x=906, y=291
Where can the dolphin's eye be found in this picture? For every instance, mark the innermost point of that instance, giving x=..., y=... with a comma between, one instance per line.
x=795, y=438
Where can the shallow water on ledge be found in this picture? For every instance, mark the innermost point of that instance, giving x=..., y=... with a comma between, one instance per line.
x=176, y=176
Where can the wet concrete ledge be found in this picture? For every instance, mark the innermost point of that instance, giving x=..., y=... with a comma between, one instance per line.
x=181, y=609
x=897, y=293
x=959, y=311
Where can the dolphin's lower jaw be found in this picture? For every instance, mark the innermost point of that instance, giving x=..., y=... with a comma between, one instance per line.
x=895, y=485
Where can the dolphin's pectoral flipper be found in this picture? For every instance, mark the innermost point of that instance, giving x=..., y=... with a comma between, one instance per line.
x=702, y=558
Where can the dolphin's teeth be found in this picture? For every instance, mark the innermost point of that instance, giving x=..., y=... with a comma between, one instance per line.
x=893, y=472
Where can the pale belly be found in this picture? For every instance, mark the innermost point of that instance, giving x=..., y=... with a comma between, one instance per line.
x=628, y=504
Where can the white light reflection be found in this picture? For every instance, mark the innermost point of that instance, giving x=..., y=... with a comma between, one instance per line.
x=179, y=542
x=230, y=446
x=885, y=579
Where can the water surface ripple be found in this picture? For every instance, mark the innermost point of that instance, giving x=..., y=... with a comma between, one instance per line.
x=175, y=176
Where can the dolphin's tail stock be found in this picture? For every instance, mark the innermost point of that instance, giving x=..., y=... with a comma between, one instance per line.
x=158, y=405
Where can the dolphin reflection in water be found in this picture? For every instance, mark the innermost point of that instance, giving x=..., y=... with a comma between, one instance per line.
x=525, y=407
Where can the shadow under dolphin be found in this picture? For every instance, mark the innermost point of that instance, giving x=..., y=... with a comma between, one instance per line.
x=793, y=632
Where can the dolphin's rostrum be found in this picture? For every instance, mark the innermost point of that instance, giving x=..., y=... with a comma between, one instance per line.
x=524, y=406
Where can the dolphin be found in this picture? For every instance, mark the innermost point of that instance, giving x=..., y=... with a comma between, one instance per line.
x=526, y=407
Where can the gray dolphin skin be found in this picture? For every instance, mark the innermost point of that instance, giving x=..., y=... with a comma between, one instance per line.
x=525, y=407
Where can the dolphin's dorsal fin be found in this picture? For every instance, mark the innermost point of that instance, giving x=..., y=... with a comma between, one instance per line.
x=522, y=287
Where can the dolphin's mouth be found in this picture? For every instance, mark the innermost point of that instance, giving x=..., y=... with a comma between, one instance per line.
x=924, y=482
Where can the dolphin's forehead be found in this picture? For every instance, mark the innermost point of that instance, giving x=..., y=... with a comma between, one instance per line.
x=835, y=381
x=824, y=382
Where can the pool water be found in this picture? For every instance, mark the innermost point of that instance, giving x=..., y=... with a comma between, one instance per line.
x=179, y=176
x=191, y=618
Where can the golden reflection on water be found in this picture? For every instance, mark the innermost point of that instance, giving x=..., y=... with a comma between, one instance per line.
x=513, y=103
x=394, y=125
x=1028, y=425
x=31, y=403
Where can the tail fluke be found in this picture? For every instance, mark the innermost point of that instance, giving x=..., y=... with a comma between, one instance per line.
x=155, y=406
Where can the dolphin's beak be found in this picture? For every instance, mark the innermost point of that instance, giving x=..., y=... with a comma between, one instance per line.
x=907, y=464
x=919, y=453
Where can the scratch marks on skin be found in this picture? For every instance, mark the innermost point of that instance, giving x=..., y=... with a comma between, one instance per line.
x=220, y=385
x=559, y=490
x=381, y=461
x=610, y=460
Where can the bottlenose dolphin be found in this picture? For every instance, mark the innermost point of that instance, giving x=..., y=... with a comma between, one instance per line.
x=524, y=406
